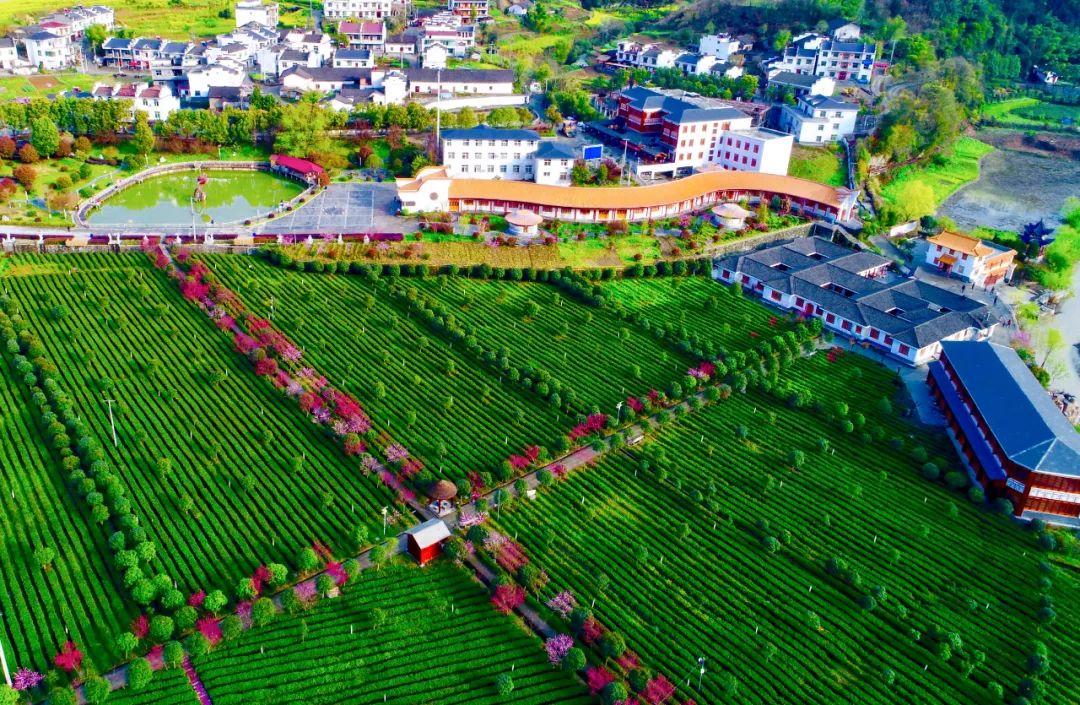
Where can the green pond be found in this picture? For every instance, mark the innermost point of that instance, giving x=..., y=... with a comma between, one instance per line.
x=230, y=196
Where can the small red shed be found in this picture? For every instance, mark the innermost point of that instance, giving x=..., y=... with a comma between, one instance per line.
x=425, y=541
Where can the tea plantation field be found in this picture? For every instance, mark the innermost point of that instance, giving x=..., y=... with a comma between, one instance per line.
x=223, y=475
x=838, y=575
x=74, y=589
x=434, y=399
x=402, y=635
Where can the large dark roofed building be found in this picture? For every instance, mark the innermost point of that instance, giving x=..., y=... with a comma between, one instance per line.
x=854, y=294
x=1014, y=439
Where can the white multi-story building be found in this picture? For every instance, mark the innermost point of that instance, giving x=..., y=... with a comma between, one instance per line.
x=461, y=81
x=435, y=57
x=266, y=14
x=822, y=56
x=980, y=262
x=755, y=149
x=457, y=40
x=722, y=46
x=364, y=35
x=818, y=119
x=51, y=52
x=78, y=19
x=553, y=163
x=9, y=56
x=157, y=101
x=357, y=9
x=490, y=153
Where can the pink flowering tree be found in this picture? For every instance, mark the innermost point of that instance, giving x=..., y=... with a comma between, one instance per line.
x=563, y=603
x=658, y=690
x=70, y=658
x=507, y=598
x=25, y=679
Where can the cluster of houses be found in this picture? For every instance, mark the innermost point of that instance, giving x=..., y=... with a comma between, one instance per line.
x=715, y=55
x=221, y=72
x=55, y=42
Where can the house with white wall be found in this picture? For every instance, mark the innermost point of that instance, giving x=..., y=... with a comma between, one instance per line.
x=158, y=101
x=9, y=55
x=553, y=162
x=981, y=262
x=490, y=153
x=357, y=9
x=266, y=14
x=722, y=46
x=353, y=59
x=818, y=119
x=51, y=52
x=856, y=296
x=201, y=78
x=754, y=149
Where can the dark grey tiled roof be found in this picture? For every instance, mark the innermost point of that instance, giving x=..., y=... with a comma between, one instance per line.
x=483, y=132
x=1020, y=414
x=799, y=80
x=556, y=150
x=462, y=75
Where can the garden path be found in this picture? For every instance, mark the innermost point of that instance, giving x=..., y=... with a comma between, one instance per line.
x=196, y=683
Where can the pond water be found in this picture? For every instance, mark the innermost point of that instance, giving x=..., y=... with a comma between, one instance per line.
x=166, y=200
x=1014, y=188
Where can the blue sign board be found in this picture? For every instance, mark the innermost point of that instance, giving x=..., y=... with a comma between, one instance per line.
x=592, y=151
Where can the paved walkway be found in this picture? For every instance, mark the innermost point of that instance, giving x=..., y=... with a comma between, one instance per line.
x=196, y=683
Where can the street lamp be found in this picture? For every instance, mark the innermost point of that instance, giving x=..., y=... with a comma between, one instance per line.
x=701, y=672
x=618, y=412
x=384, y=522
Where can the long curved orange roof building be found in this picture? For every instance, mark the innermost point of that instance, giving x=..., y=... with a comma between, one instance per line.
x=433, y=190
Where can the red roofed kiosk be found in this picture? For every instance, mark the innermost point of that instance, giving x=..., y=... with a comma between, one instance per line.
x=296, y=167
x=425, y=541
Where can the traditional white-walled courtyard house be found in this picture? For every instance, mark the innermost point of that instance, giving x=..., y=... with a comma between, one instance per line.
x=855, y=295
x=353, y=59
x=804, y=84
x=980, y=262
x=818, y=119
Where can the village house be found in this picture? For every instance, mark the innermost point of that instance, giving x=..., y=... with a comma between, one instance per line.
x=357, y=9
x=722, y=46
x=470, y=10
x=839, y=59
x=9, y=55
x=201, y=78
x=401, y=45
x=553, y=162
x=51, y=52
x=157, y=101
x=461, y=81
x=818, y=119
x=1014, y=441
x=980, y=262
x=265, y=14
x=803, y=84
x=353, y=59
x=364, y=35
x=80, y=18
x=855, y=295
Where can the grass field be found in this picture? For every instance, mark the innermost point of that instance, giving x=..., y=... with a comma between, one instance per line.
x=12, y=87
x=367, y=344
x=37, y=510
x=1031, y=113
x=959, y=165
x=203, y=445
x=823, y=164
x=402, y=636
x=180, y=19
x=720, y=549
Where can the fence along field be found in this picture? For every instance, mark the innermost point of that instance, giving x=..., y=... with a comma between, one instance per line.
x=247, y=479
x=458, y=420
x=590, y=350
x=77, y=591
x=401, y=635
x=678, y=588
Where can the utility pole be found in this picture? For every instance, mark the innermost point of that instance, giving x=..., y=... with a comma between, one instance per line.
x=438, y=114
x=112, y=423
